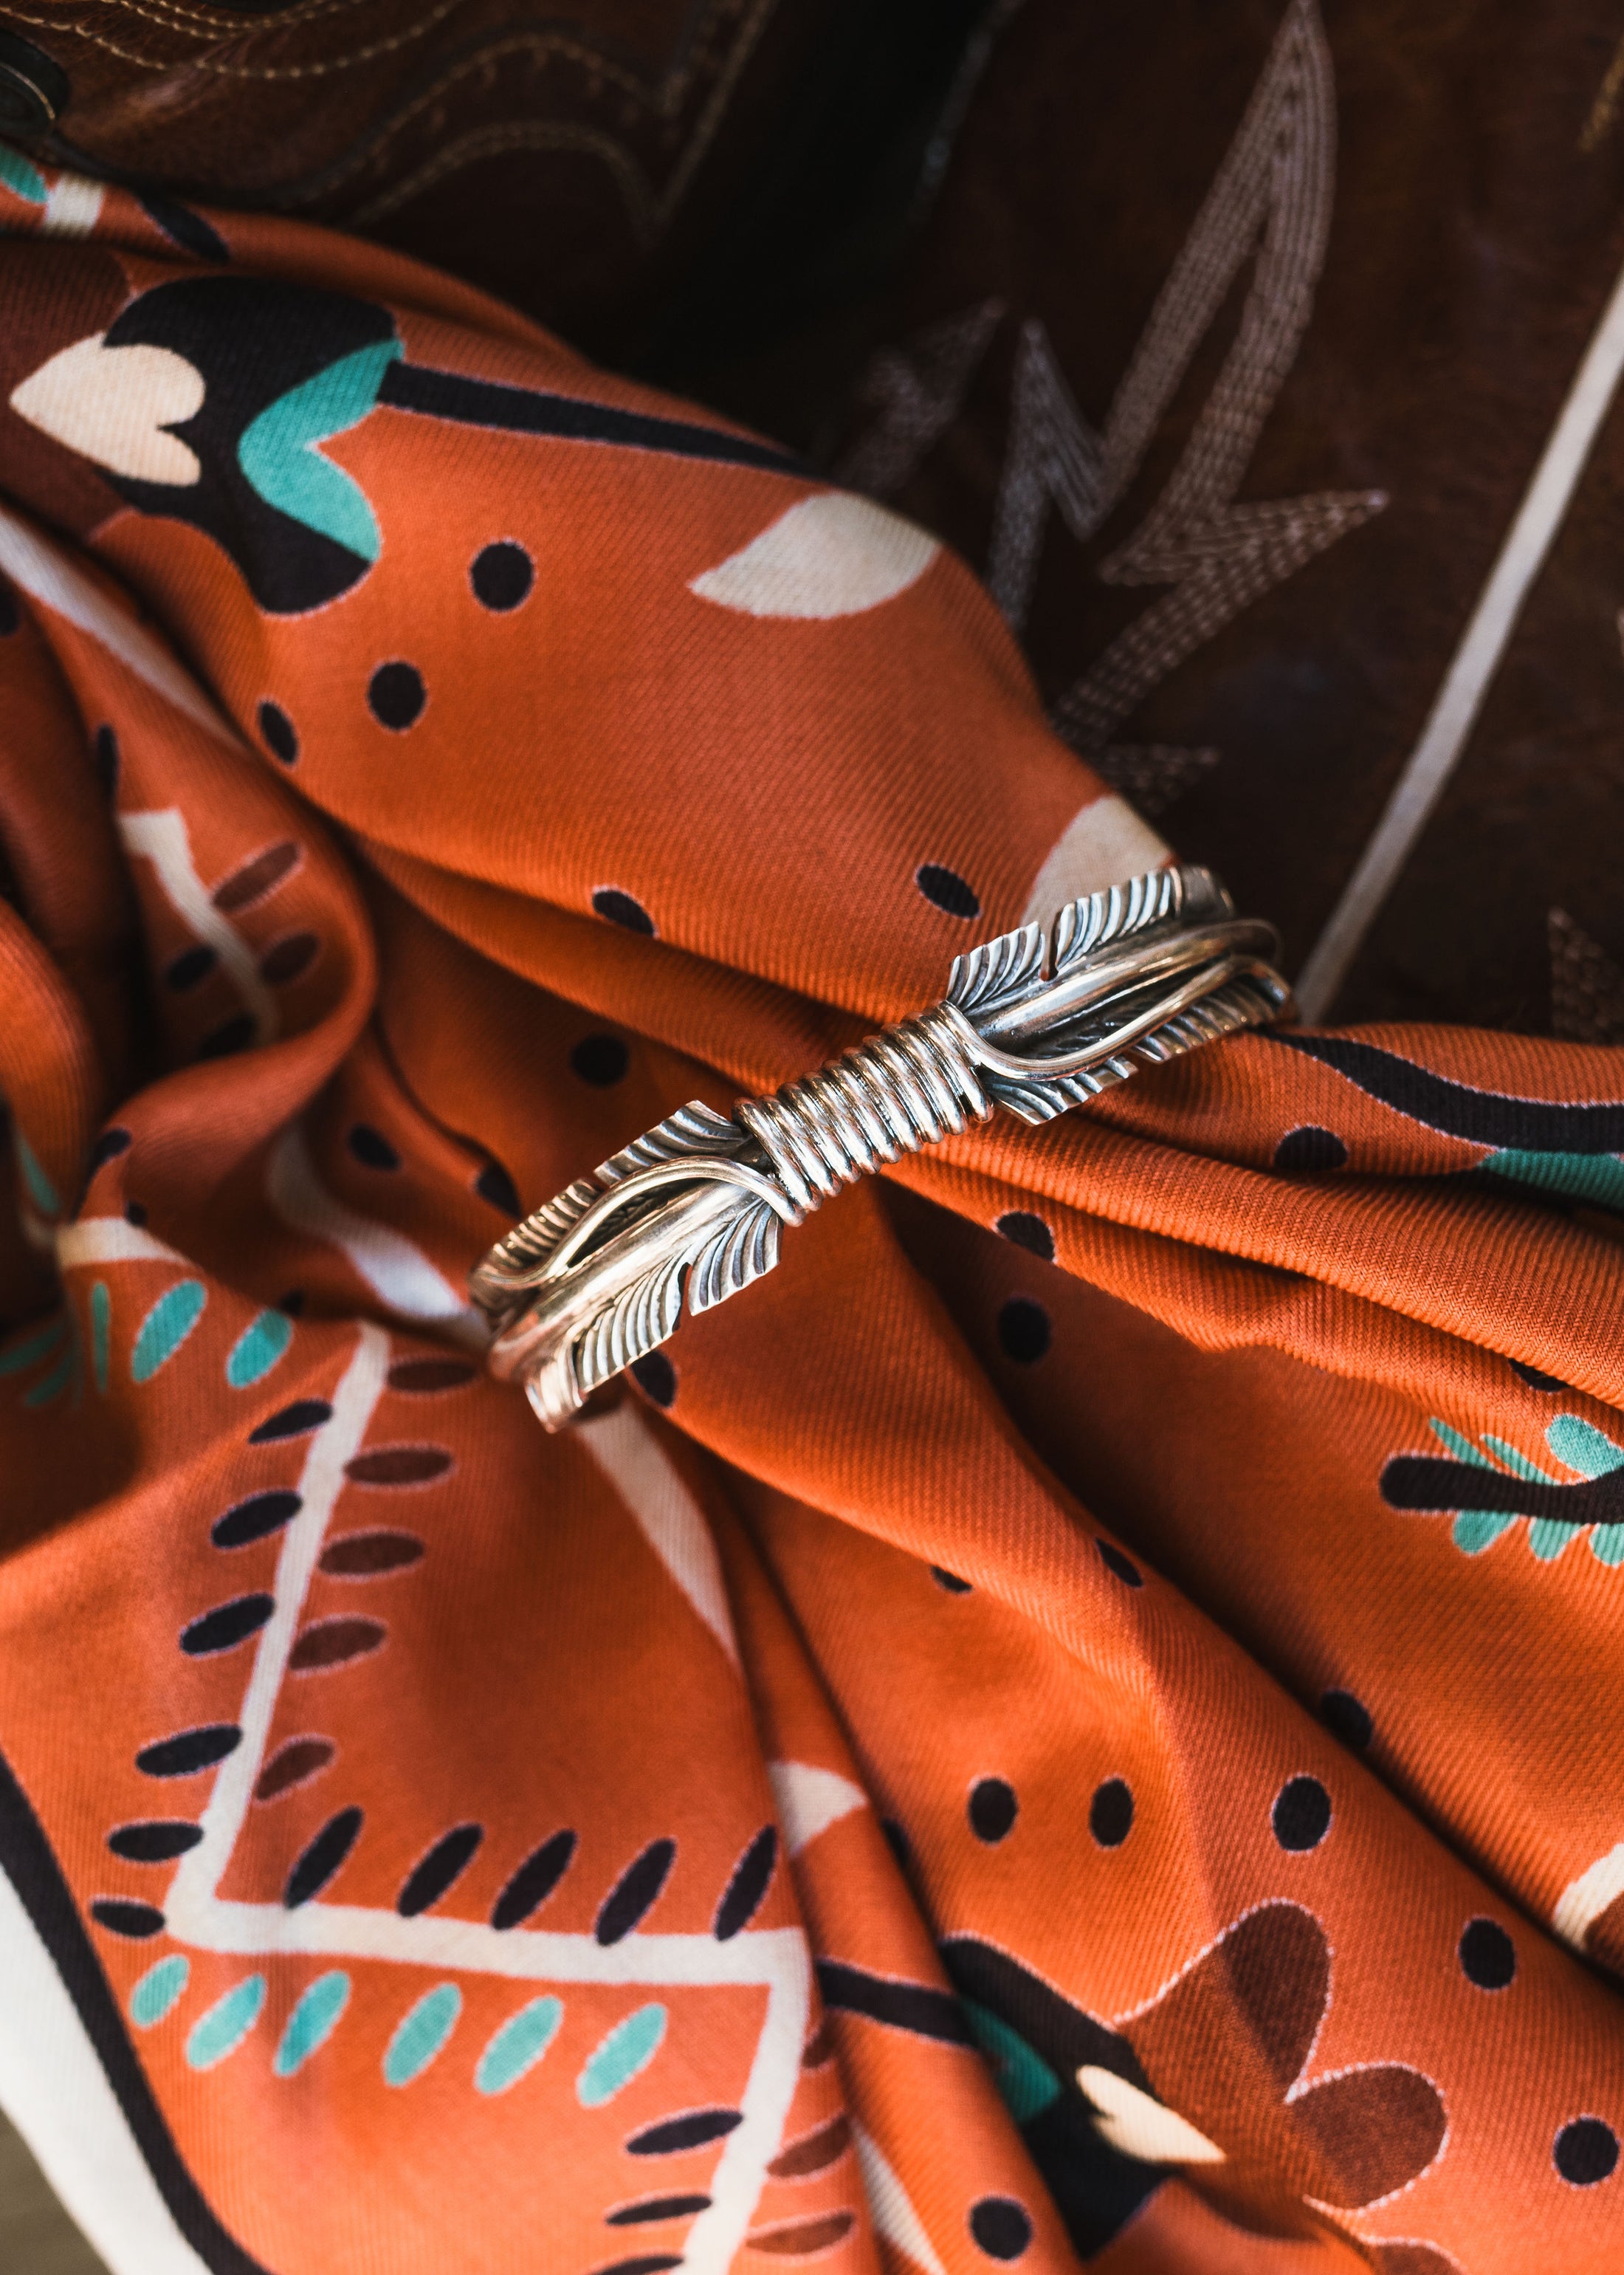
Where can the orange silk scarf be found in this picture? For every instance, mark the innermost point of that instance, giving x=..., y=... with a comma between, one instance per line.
x=1078, y=1721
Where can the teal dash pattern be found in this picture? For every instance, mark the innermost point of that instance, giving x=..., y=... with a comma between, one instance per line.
x=421, y=2034
x=101, y=1333
x=217, y=2034
x=519, y=2045
x=314, y=2018
x=42, y=1192
x=624, y=2054
x=166, y=1327
x=261, y=1343
x=159, y=1990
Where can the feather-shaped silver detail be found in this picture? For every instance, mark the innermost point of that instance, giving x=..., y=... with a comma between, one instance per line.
x=693, y=1129
x=1003, y=970
x=527, y=1247
x=636, y=1324
x=740, y=1253
x=1082, y=927
x=1242, y=1002
x=1041, y=1101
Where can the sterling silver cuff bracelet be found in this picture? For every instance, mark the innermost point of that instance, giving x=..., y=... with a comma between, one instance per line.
x=691, y=1212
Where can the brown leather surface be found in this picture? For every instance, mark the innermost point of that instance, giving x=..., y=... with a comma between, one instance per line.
x=1475, y=181
x=556, y=159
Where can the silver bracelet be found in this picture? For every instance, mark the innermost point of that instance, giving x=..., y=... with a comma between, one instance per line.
x=691, y=1212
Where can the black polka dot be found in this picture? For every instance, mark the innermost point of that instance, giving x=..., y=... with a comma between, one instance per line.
x=154, y=1840
x=635, y=1893
x=950, y=1581
x=287, y=959
x=135, y=1212
x=10, y=617
x=494, y=1185
x=534, y=1881
x=1534, y=1379
x=1029, y=1232
x=601, y=1060
x=293, y=1301
x=257, y=1518
x=395, y=696
x=106, y=748
x=746, y=1890
x=371, y=1148
x=1002, y=2228
x=1585, y=2150
x=278, y=734
x=189, y=1751
x=227, y=1625
x=1110, y=1813
x=121, y=1917
x=1126, y=1570
x=432, y=1875
x=693, y=2130
x=1346, y=1717
x=295, y=1421
x=1487, y=1953
x=899, y=1845
x=224, y=1041
x=947, y=890
x=993, y=1808
x=1309, y=1148
x=190, y=968
x=1024, y=1331
x=501, y=574
x=620, y=909
x=107, y=1148
x=655, y=1377
x=322, y=1858
x=1301, y=1813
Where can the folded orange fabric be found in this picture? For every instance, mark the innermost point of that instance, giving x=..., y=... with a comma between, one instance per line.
x=1080, y=1720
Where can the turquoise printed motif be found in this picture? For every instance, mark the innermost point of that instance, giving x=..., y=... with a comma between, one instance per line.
x=281, y=456
x=217, y=2034
x=34, y=1346
x=101, y=1334
x=166, y=1327
x=42, y=1192
x=1597, y=1177
x=23, y=180
x=261, y=1343
x=51, y=1385
x=1023, y=2079
x=519, y=2045
x=624, y=2054
x=314, y=2018
x=1579, y=1446
x=157, y=1992
x=38, y=1345
x=421, y=2034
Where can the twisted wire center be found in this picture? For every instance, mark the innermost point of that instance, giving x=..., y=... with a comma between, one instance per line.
x=899, y=1092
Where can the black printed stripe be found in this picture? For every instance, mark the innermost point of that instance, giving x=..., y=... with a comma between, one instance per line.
x=27, y=1861
x=1428, y=1484
x=1482, y=1117
x=452, y=395
x=916, y=2007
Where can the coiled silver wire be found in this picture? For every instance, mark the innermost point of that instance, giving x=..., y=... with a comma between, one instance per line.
x=906, y=1088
